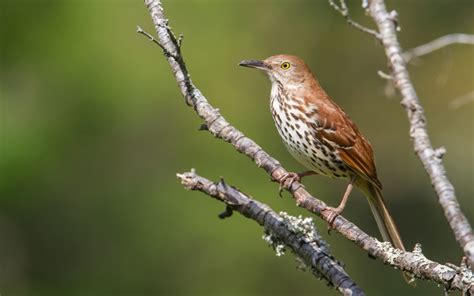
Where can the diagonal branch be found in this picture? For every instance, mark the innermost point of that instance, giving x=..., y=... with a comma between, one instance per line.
x=437, y=44
x=300, y=236
x=430, y=157
x=451, y=277
x=220, y=128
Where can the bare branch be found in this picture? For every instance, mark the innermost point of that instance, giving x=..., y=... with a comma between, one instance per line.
x=283, y=230
x=220, y=128
x=344, y=11
x=437, y=44
x=462, y=100
x=451, y=276
x=418, y=131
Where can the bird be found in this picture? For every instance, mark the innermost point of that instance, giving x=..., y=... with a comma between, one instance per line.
x=322, y=137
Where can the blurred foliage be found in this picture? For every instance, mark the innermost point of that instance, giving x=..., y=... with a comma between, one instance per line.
x=93, y=131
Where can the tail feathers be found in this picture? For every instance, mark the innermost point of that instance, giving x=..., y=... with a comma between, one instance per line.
x=385, y=222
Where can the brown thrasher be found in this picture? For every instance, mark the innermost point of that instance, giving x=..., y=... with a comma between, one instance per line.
x=318, y=133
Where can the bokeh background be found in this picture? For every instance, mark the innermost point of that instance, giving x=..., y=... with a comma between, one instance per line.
x=94, y=130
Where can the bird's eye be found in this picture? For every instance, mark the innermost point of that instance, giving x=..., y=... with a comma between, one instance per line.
x=285, y=66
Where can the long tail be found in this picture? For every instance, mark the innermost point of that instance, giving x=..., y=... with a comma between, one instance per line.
x=384, y=221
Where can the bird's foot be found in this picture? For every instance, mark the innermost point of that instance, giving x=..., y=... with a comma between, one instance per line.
x=289, y=178
x=330, y=214
x=287, y=181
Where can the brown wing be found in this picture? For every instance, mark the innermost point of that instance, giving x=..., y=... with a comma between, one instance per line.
x=336, y=128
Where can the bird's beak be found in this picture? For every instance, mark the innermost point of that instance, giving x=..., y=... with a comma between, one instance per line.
x=255, y=64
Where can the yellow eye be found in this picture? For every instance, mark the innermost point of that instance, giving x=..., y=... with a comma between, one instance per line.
x=285, y=66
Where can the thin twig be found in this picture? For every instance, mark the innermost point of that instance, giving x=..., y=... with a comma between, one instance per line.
x=418, y=130
x=220, y=128
x=152, y=39
x=437, y=44
x=384, y=75
x=462, y=100
x=344, y=11
x=298, y=234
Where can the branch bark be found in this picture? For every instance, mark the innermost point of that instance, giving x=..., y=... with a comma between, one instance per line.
x=215, y=123
x=430, y=157
x=306, y=244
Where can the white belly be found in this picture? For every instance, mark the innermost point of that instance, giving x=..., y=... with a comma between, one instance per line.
x=300, y=141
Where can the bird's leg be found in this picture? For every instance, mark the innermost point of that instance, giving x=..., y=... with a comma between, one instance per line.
x=334, y=212
x=289, y=178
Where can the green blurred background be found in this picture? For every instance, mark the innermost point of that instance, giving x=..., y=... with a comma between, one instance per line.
x=94, y=130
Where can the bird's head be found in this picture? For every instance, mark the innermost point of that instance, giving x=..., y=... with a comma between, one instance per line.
x=282, y=68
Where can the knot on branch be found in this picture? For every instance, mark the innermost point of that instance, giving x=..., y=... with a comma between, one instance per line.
x=440, y=152
x=393, y=16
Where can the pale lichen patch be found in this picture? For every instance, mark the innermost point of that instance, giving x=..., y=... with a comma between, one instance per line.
x=273, y=241
x=304, y=227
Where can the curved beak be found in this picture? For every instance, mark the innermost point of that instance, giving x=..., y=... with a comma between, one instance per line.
x=255, y=64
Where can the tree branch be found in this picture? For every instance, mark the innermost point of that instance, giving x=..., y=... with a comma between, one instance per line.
x=462, y=100
x=220, y=128
x=344, y=11
x=452, y=277
x=297, y=234
x=437, y=44
x=430, y=157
